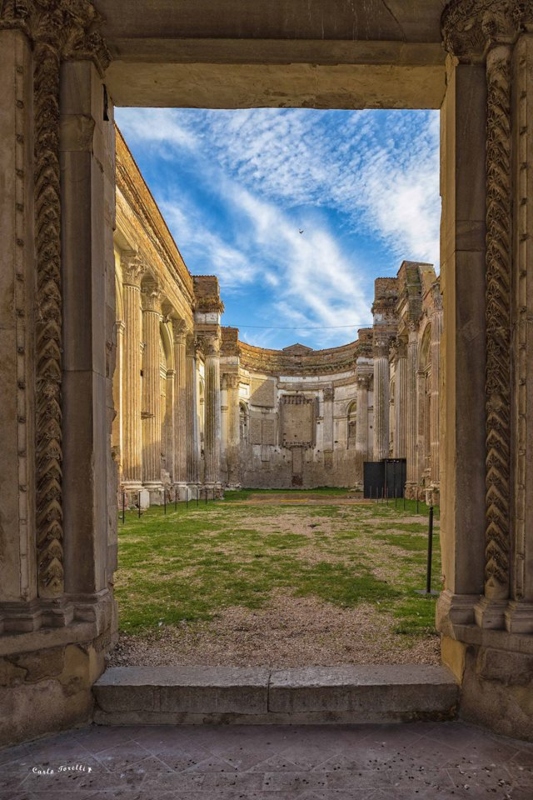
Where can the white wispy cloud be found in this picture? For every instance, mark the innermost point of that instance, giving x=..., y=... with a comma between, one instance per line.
x=274, y=172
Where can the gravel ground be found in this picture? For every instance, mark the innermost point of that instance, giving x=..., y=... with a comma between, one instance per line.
x=289, y=632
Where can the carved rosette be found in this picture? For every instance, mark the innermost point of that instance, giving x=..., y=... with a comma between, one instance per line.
x=59, y=30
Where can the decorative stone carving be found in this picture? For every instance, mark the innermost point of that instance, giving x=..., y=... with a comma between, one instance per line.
x=68, y=27
x=179, y=330
x=469, y=26
x=151, y=297
x=329, y=394
x=59, y=30
x=210, y=344
x=498, y=276
x=473, y=29
x=133, y=268
x=230, y=380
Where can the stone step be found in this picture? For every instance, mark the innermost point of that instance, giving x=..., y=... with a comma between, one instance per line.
x=315, y=695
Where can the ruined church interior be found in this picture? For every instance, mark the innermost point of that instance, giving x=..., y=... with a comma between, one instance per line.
x=94, y=292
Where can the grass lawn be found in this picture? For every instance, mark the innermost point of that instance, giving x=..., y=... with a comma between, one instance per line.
x=195, y=561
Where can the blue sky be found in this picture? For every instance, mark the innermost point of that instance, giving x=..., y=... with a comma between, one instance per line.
x=296, y=210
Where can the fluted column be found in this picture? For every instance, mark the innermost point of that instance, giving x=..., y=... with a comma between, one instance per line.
x=151, y=401
x=233, y=431
x=132, y=271
x=436, y=333
x=212, y=430
x=361, y=430
x=381, y=402
x=411, y=427
x=400, y=402
x=169, y=425
x=117, y=435
x=191, y=403
x=179, y=331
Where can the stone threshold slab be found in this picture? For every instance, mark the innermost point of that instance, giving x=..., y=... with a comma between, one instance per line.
x=197, y=695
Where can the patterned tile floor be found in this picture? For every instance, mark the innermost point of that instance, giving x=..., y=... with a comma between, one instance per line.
x=429, y=761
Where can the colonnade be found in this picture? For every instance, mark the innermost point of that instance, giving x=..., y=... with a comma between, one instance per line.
x=165, y=438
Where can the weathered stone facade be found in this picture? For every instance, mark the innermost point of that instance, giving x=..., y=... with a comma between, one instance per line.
x=63, y=64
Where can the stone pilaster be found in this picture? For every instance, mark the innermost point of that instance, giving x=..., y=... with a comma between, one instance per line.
x=169, y=425
x=193, y=441
x=179, y=331
x=436, y=334
x=381, y=401
x=411, y=421
x=117, y=437
x=328, y=445
x=151, y=397
x=233, y=430
x=132, y=271
x=18, y=564
x=87, y=148
x=212, y=430
x=361, y=430
x=400, y=401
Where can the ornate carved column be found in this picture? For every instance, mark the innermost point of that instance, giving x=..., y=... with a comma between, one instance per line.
x=361, y=430
x=132, y=272
x=381, y=400
x=519, y=615
x=179, y=330
x=212, y=431
x=400, y=400
x=37, y=38
x=193, y=442
x=483, y=33
x=151, y=400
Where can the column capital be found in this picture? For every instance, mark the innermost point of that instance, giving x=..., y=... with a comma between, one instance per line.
x=151, y=297
x=381, y=348
x=230, y=380
x=210, y=344
x=133, y=268
x=70, y=29
x=363, y=381
x=179, y=330
x=471, y=27
x=329, y=394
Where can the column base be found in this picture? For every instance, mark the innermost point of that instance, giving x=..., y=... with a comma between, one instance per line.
x=490, y=614
x=411, y=491
x=455, y=609
x=155, y=491
x=28, y=617
x=182, y=491
x=519, y=617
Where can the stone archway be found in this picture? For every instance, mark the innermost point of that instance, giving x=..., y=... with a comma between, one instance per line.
x=63, y=65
